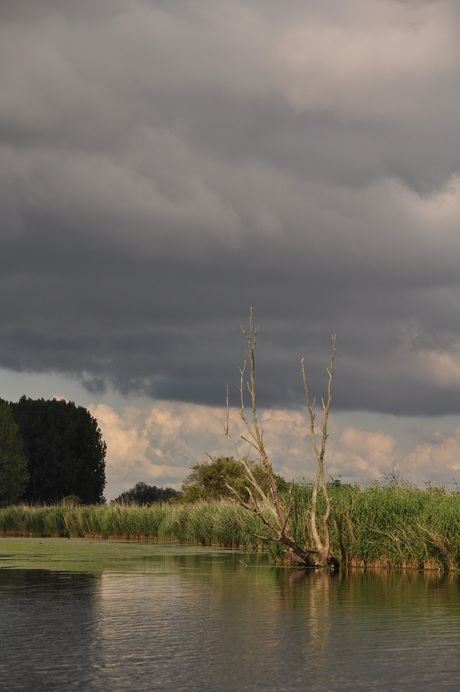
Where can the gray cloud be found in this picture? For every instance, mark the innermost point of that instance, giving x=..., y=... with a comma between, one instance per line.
x=164, y=166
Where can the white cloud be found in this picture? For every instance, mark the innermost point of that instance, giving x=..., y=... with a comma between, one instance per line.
x=439, y=459
x=361, y=455
x=159, y=445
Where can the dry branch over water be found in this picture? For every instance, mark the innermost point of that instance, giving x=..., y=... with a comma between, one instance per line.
x=312, y=546
x=391, y=525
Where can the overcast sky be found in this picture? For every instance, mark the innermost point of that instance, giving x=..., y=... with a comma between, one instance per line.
x=166, y=165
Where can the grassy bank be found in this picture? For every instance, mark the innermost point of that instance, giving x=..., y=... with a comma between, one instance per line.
x=202, y=523
x=382, y=525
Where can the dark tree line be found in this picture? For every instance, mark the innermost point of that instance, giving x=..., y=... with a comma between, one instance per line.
x=13, y=463
x=63, y=448
x=143, y=494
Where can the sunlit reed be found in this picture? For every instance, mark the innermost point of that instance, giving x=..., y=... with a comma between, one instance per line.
x=386, y=525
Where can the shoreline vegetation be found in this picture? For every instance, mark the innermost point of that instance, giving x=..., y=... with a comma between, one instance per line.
x=393, y=525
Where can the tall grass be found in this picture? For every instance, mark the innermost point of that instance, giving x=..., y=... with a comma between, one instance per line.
x=397, y=525
x=386, y=525
x=204, y=523
x=391, y=525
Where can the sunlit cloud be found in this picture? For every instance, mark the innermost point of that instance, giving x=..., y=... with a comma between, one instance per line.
x=159, y=447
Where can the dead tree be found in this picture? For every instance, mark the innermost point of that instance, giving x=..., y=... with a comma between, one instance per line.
x=270, y=506
x=321, y=534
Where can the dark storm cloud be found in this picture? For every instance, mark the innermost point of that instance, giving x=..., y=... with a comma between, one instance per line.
x=164, y=166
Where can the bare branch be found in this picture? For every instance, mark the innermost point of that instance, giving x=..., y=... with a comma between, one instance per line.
x=274, y=510
x=320, y=480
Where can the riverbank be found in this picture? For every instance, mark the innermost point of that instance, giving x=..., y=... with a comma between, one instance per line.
x=392, y=526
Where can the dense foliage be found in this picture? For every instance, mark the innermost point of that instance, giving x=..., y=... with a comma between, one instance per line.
x=143, y=494
x=211, y=479
x=13, y=462
x=64, y=450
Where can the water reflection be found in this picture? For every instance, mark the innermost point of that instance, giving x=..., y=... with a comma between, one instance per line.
x=200, y=621
x=47, y=627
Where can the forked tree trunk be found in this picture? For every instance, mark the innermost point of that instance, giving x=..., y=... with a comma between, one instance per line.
x=321, y=536
x=272, y=509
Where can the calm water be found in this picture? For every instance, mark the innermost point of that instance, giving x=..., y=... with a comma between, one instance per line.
x=202, y=620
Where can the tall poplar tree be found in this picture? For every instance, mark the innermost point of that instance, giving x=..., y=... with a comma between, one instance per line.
x=64, y=449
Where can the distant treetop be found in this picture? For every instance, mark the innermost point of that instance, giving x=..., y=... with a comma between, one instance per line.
x=143, y=494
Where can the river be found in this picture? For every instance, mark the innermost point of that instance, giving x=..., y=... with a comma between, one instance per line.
x=183, y=618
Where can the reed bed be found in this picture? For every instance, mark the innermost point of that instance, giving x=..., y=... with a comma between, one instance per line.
x=391, y=525
x=397, y=525
x=218, y=523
